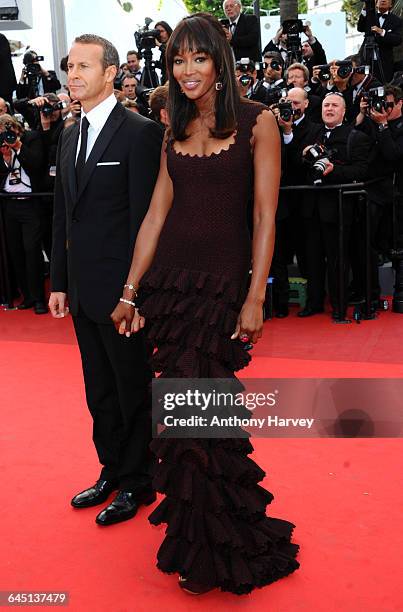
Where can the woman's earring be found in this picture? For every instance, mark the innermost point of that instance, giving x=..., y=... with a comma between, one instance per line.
x=218, y=86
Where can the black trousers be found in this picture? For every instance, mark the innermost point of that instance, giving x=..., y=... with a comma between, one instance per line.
x=278, y=268
x=117, y=381
x=322, y=255
x=24, y=229
x=358, y=250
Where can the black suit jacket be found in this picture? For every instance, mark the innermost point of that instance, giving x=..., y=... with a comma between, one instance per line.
x=351, y=158
x=318, y=57
x=8, y=81
x=245, y=41
x=96, y=224
x=393, y=37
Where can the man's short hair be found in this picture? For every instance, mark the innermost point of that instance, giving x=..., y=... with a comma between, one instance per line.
x=158, y=99
x=275, y=55
x=298, y=66
x=128, y=75
x=110, y=55
x=133, y=52
x=396, y=92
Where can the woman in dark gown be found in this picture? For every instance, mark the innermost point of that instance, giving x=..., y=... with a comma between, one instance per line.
x=191, y=262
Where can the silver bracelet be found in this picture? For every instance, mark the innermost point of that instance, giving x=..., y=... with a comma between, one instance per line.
x=131, y=287
x=127, y=302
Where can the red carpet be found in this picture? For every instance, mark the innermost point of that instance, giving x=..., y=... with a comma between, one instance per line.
x=345, y=496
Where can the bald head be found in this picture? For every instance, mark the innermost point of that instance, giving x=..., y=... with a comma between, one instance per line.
x=299, y=101
x=333, y=110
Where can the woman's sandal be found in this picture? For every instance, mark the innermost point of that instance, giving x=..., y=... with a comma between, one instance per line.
x=193, y=588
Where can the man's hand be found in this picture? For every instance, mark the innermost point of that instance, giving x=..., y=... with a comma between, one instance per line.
x=39, y=101
x=379, y=117
x=377, y=30
x=329, y=168
x=228, y=34
x=6, y=153
x=279, y=32
x=286, y=126
x=57, y=304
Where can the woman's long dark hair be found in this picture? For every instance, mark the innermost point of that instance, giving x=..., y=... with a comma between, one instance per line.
x=203, y=33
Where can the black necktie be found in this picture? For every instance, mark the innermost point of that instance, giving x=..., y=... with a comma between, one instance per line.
x=80, y=163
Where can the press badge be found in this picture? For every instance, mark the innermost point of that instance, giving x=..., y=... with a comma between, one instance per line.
x=14, y=177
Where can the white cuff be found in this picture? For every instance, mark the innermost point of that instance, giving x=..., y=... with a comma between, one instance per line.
x=288, y=138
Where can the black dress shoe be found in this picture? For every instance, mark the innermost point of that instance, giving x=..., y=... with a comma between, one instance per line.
x=125, y=506
x=25, y=305
x=40, y=308
x=309, y=312
x=281, y=313
x=97, y=494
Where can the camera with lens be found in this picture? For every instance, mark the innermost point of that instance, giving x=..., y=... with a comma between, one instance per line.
x=145, y=38
x=376, y=99
x=293, y=28
x=31, y=62
x=344, y=69
x=7, y=137
x=225, y=23
x=274, y=95
x=318, y=156
x=245, y=65
x=285, y=110
x=48, y=109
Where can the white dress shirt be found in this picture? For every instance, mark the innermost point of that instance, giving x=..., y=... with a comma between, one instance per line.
x=97, y=117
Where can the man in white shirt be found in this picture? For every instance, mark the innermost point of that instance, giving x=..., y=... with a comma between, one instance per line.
x=105, y=175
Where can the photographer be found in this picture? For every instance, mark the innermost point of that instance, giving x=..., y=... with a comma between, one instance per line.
x=383, y=32
x=165, y=31
x=270, y=89
x=158, y=103
x=246, y=73
x=21, y=167
x=294, y=129
x=333, y=153
x=278, y=44
x=378, y=114
x=297, y=75
x=35, y=80
x=242, y=32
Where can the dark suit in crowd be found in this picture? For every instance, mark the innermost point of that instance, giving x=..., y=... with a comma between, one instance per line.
x=351, y=155
x=8, y=82
x=96, y=220
x=380, y=197
x=245, y=39
x=393, y=37
x=23, y=220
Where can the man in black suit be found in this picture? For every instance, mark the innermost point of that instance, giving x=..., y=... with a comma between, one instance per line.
x=8, y=82
x=386, y=28
x=105, y=175
x=385, y=129
x=289, y=238
x=243, y=33
x=349, y=163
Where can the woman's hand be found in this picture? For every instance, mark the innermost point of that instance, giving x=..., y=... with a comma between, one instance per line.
x=122, y=318
x=250, y=322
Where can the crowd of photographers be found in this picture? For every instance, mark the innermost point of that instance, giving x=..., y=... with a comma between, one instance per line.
x=340, y=123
